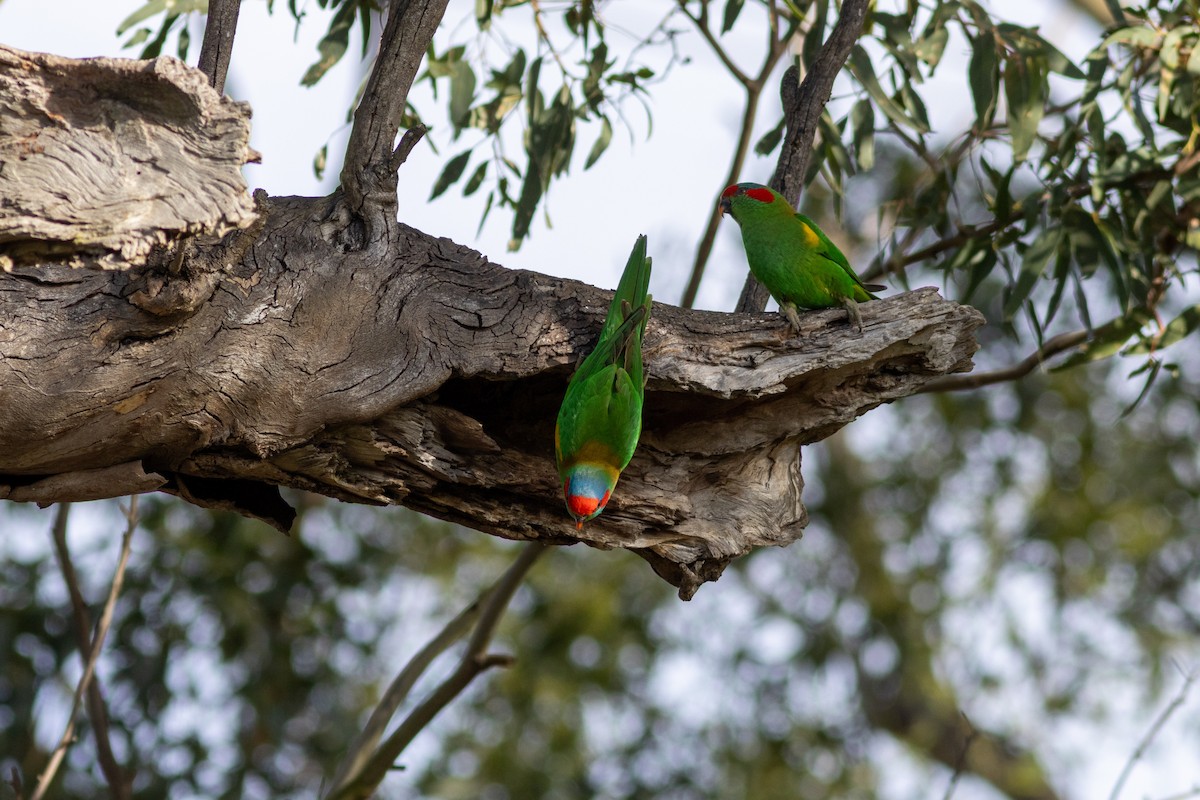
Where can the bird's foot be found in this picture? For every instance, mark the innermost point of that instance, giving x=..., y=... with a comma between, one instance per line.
x=793, y=317
x=854, y=314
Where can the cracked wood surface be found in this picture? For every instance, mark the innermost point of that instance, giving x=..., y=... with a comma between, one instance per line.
x=104, y=159
x=431, y=378
x=320, y=348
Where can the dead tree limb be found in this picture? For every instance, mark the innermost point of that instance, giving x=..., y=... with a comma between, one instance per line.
x=415, y=371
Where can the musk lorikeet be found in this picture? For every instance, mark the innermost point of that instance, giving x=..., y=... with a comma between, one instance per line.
x=791, y=256
x=601, y=415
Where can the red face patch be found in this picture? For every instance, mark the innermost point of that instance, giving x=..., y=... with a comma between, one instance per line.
x=730, y=192
x=761, y=195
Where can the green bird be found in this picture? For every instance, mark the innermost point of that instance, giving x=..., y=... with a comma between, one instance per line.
x=601, y=415
x=792, y=257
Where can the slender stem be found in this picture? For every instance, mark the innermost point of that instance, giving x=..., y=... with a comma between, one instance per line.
x=704, y=250
x=360, y=752
x=701, y=24
x=217, y=49
x=754, y=88
x=93, y=656
x=1058, y=344
x=1156, y=726
x=97, y=710
x=407, y=142
x=489, y=608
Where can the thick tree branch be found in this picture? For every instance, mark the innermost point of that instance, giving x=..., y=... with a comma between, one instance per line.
x=432, y=379
x=802, y=108
x=417, y=372
x=91, y=657
x=367, y=176
x=112, y=159
x=219, y=30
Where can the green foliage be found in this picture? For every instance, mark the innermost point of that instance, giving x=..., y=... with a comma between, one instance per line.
x=1066, y=188
x=175, y=14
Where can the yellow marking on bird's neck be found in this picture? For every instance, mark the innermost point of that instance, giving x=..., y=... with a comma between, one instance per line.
x=810, y=236
x=597, y=454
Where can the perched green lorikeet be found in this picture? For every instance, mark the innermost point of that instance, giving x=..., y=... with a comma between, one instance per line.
x=791, y=256
x=601, y=415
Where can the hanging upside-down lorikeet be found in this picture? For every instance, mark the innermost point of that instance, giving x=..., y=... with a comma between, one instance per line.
x=791, y=256
x=601, y=415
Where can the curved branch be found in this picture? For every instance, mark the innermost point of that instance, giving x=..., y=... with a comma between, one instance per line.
x=119, y=784
x=367, y=177
x=474, y=662
x=219, y=30
x=701, y=24
x=91, y=657
x=803, y=108
x=1053, y=346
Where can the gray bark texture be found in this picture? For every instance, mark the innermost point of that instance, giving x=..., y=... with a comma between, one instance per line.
x=381, y=365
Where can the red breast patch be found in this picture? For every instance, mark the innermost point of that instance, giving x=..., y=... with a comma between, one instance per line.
x=761, y=195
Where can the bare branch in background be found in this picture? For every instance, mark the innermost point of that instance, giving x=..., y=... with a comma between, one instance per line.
x=1053, y=346
x=93, y=656
x=360, y=776
x=1155, y=727
x=120, y=784
x=217, y=49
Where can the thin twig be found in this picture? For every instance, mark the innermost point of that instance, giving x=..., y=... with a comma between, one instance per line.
x=407, y=142
x=754, y=88
x=93, y=656
x=118, y=783
x=360, y=752
x=217, y=48
x=1155, y=727
x=961, y=763
x=14, y=780
x=963, y=235
x=802, y=118
x=360, y=783
x=701, y=24
x=1053, y=346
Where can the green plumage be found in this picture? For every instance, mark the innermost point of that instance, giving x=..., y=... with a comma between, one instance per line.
x=791, y=256
x=601, y=415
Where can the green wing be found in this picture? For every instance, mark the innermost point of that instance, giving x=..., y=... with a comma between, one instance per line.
x=603, y=404
x=830, y=251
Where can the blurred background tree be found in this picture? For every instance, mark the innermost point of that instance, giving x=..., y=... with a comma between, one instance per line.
x=997, y=591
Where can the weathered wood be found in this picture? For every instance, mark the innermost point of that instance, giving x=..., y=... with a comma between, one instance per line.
x=377, y=364
x=104, y=159
x=432, y=380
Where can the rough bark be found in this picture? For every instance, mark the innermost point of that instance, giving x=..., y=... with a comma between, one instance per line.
x=104, y=159
x=415, y=371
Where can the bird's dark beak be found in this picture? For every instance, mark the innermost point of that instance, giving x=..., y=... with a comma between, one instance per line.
x=724, y=206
